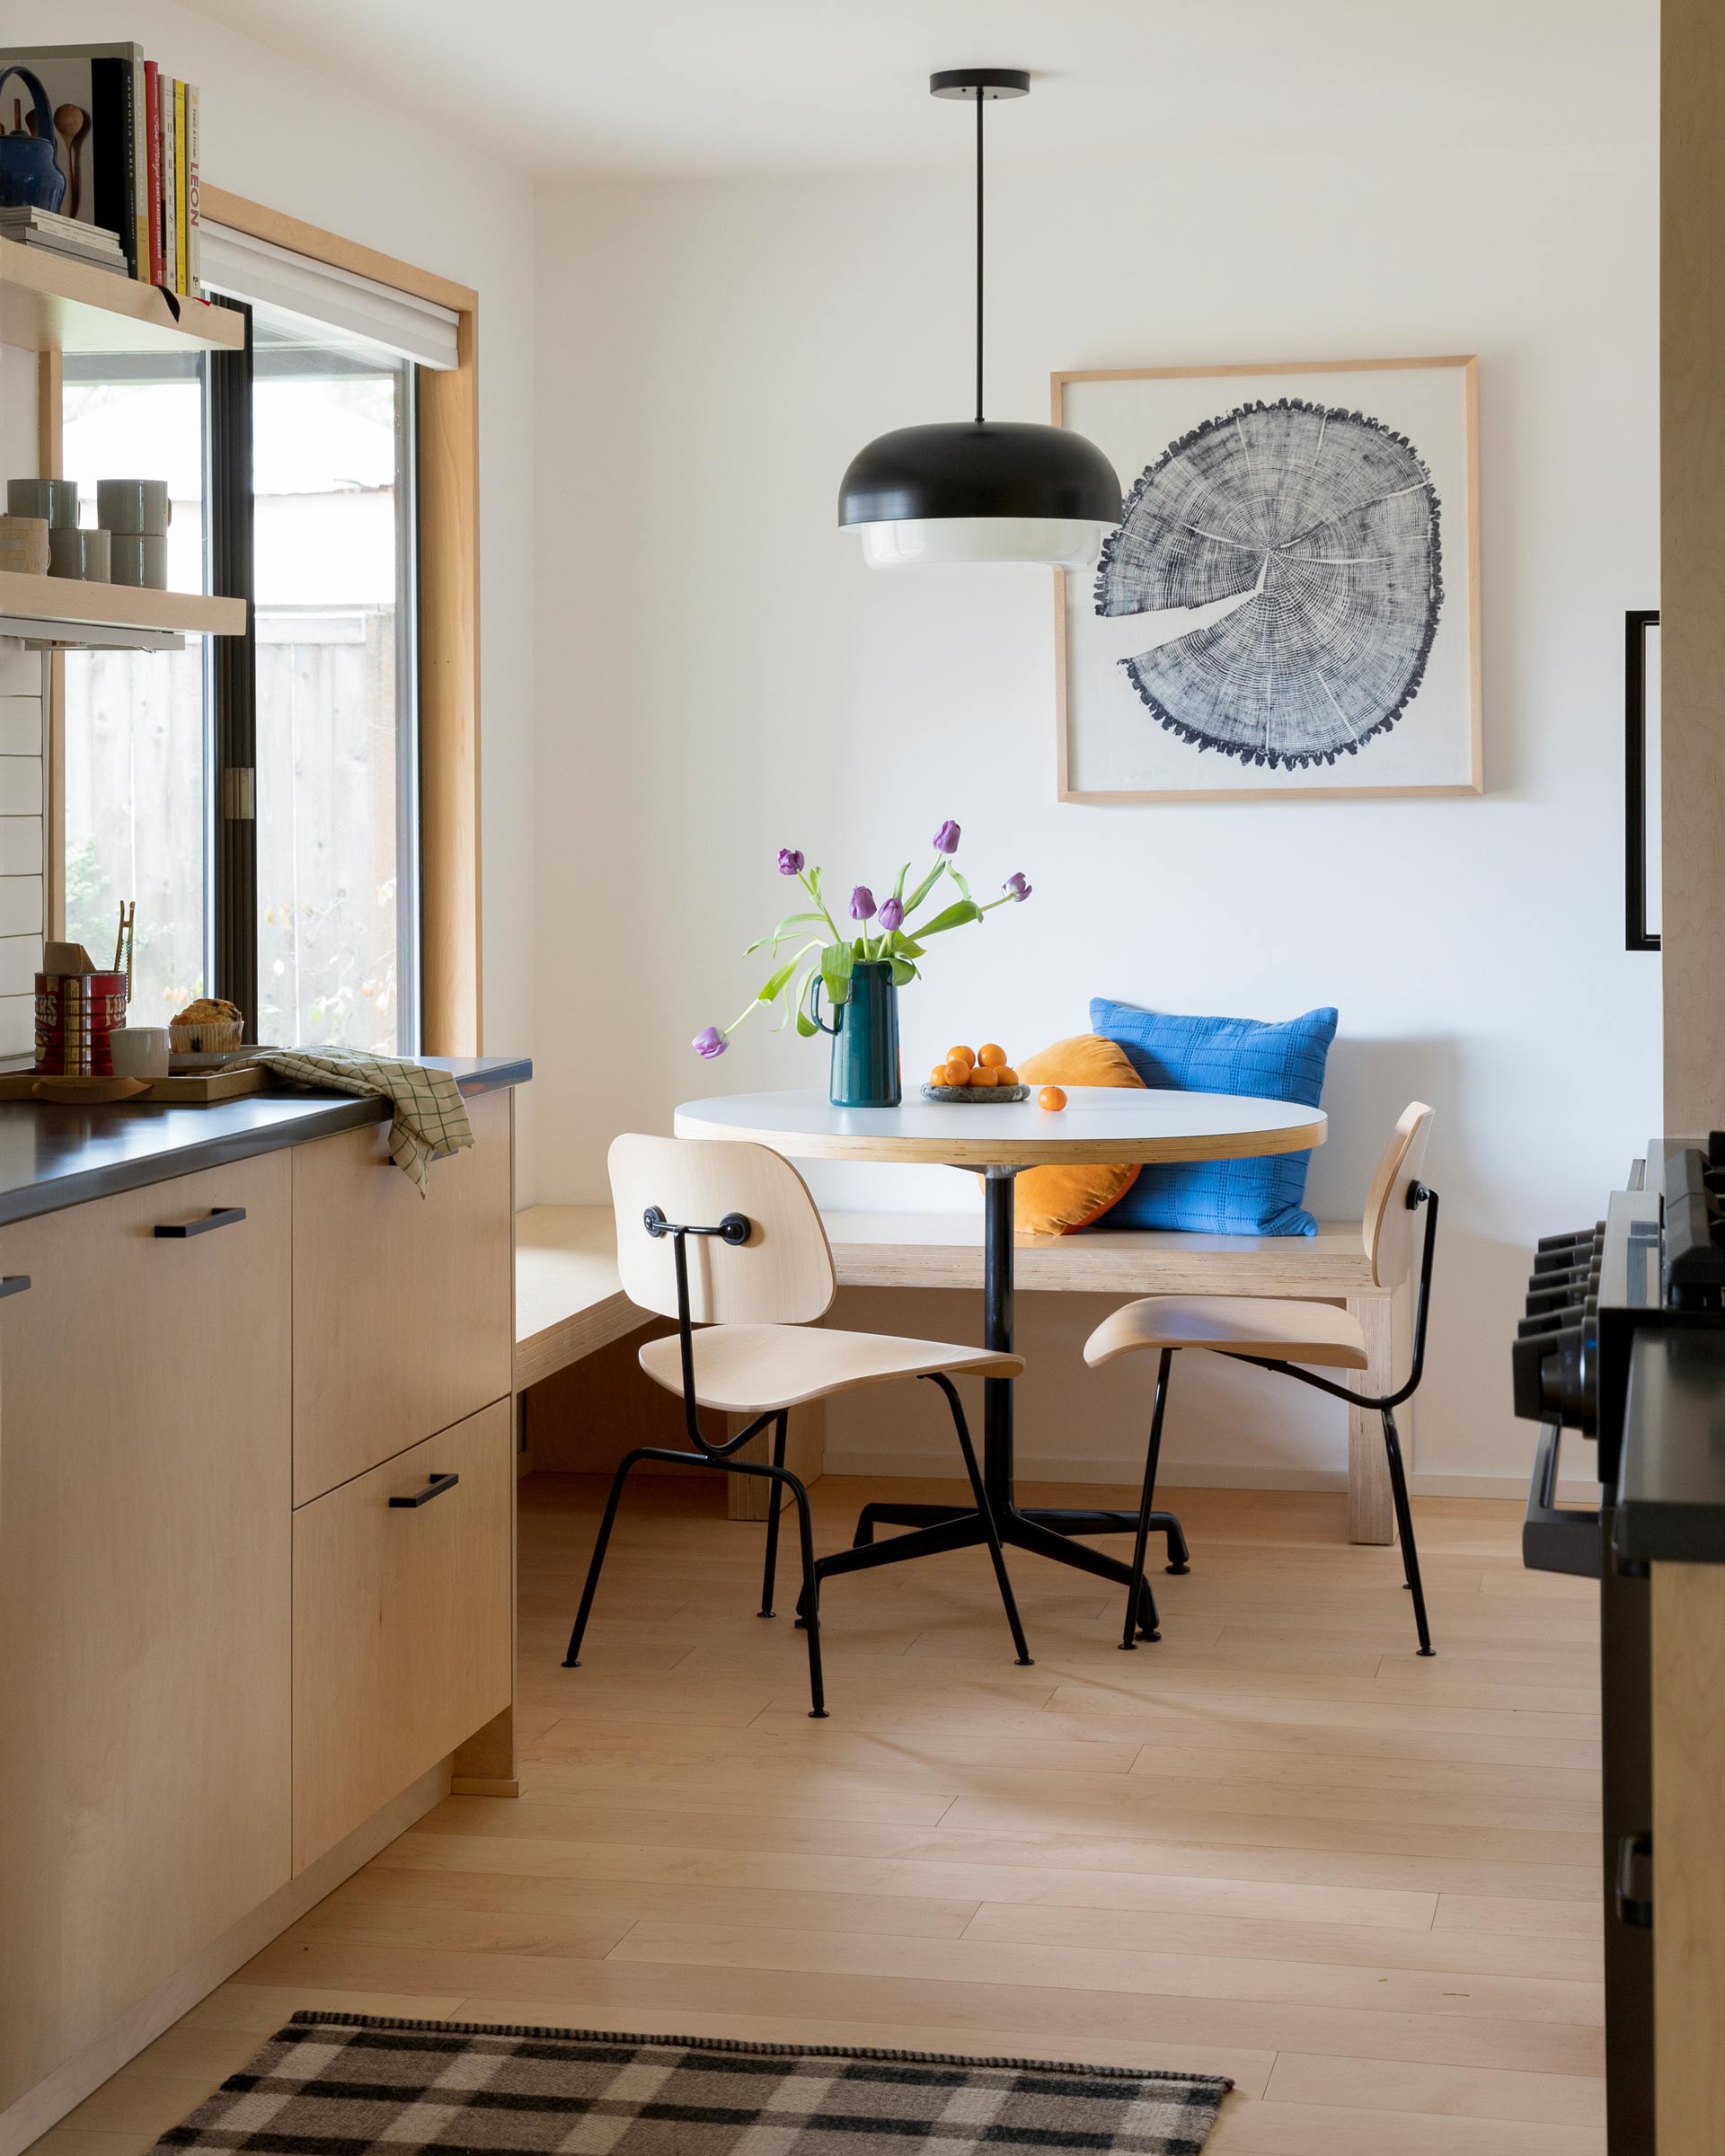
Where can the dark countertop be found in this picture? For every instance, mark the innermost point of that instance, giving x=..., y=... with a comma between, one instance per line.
x=1671, y=1491
x=53, y=1157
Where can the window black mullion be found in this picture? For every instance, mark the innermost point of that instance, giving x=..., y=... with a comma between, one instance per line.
x=234, y=678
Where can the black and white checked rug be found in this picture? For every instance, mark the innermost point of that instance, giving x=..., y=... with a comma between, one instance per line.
x=350, y=2084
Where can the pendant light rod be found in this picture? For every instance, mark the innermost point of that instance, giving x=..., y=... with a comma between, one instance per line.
x=981, y=102
x=980, y=84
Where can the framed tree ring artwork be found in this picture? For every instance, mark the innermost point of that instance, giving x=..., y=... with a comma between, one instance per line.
x=1290, y=604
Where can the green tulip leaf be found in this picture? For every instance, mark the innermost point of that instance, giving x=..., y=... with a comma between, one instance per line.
x=955, y=916
x=806, y=1025
x=774, y=984
x=836, y=960
x=925, y=886
x=903, y=973
x=790, y=921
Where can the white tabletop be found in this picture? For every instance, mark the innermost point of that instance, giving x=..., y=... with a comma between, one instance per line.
x=1099, y=1123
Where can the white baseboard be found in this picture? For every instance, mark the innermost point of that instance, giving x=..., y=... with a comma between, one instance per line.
x=918, y=1466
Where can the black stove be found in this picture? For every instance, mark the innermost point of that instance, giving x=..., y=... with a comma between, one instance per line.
x=1623, y=1344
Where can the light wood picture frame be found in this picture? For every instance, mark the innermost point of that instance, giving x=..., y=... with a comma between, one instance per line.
x=1187, y=712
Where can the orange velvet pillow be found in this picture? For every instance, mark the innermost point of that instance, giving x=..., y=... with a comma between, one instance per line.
x=1054, y=1201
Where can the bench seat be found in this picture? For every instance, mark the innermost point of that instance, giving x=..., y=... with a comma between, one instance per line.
x=568, y=1301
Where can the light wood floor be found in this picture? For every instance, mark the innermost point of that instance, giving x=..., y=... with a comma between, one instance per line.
x=1276, y=1846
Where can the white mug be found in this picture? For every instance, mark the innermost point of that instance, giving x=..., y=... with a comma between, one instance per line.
x=139, y=1051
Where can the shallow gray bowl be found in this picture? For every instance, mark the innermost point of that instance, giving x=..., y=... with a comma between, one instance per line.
x=979, y=1096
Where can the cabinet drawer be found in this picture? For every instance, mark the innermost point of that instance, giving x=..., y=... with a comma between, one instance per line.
x=402, y=1304
x=402, y=1643
x=145, y=1584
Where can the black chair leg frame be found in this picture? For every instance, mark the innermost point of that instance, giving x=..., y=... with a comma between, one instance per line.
x=732, y=1229
x=1141, y=1619
x=778, y=1474
x=1138, y=1593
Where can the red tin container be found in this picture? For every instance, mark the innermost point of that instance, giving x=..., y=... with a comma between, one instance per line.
x=75, y=1013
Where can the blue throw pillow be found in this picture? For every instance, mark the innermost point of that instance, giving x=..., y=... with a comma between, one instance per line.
x=1261, y=1197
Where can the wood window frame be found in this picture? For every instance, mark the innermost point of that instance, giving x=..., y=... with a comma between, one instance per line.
x=448, y=612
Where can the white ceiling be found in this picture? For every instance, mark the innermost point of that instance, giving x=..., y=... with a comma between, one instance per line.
x=568, y=88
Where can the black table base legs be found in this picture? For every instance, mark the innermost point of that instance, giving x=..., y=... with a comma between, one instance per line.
x=1049, y=1534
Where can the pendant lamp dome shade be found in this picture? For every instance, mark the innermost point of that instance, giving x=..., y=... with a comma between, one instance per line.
x=976, y=490
x=1011, y=492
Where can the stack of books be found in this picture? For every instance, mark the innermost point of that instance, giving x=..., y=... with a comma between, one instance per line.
x=64, y=236
x=125, y=138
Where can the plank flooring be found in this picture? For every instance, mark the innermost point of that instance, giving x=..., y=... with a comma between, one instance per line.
x=1276, y=1845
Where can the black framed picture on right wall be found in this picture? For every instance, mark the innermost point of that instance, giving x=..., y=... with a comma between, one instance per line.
x=1290, y=603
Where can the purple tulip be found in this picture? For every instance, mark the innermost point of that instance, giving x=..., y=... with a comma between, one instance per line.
x=1016, y=885
x=789, y=861
x=709, y=1042
x=892, y=914
x=946, y=839
x=861, y=902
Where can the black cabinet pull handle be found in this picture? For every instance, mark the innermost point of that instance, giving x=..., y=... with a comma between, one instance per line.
x=14, y=1284
x=435, y=1488
x=221, y=1217
x=1635, y=1909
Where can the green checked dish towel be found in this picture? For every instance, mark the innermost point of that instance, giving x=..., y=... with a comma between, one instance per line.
x=431, y=1116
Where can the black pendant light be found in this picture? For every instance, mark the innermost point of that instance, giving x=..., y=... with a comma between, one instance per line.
x=982, y=490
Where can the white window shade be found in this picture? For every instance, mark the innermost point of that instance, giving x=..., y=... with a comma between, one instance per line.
x=325, y=298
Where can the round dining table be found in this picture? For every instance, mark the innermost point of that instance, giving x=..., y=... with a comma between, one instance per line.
x=997, y=1141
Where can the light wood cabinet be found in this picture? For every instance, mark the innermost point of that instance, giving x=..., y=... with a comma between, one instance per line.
x=145, y=1596
x=402, y=1305
x=401, y=1622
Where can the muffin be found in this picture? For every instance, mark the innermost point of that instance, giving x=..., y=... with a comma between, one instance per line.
x=210, y=1025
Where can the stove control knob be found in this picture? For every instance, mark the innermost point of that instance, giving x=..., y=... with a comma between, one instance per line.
x=1579, y=1236
x=1554, y=1376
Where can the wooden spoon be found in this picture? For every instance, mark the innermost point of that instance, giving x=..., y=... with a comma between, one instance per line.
x=72, y=124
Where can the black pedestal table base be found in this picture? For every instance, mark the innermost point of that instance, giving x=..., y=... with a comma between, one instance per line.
x=1047, y=1534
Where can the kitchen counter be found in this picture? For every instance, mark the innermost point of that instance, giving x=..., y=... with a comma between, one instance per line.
x=52, y=1157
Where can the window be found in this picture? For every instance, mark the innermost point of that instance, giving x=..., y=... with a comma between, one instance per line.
x=337, y=785
x=329, y=767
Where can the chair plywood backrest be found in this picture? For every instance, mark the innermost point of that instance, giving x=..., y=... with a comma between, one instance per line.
x=1389, y=1224
x=781, y=1275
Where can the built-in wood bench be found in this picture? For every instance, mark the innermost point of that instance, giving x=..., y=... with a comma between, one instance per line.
x=569, y=1303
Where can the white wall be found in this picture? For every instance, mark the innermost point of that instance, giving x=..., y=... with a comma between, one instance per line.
x=718, y=676
x=304, y=144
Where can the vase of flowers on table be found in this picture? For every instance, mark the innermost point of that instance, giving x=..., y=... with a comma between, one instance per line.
x=861, y=973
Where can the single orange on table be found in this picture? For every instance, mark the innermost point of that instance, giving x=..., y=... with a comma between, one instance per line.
x=990, y=1055
x=1052, y=1099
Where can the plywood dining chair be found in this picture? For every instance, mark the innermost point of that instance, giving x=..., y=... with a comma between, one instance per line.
x=1285, y=1336
x=724, y=1237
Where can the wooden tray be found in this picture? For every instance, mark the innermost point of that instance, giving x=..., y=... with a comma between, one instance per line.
x=200, y=1090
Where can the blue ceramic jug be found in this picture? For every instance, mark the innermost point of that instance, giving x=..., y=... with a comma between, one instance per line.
x=865, y=1037
x=30, y=175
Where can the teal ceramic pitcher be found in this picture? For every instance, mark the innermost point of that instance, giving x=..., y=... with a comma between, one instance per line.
x=865, y=1037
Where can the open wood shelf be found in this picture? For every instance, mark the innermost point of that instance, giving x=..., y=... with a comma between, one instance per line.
x=77, y=606
x=48, y=304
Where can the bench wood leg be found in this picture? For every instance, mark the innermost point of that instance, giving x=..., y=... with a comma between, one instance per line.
x=750, y=1497
x=1371, y=1505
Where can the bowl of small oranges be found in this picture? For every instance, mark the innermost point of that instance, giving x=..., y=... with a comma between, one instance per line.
x=979, y=1074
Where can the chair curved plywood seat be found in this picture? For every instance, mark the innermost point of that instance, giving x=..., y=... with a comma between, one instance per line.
x=1295, y=1332
x=749, y=1369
